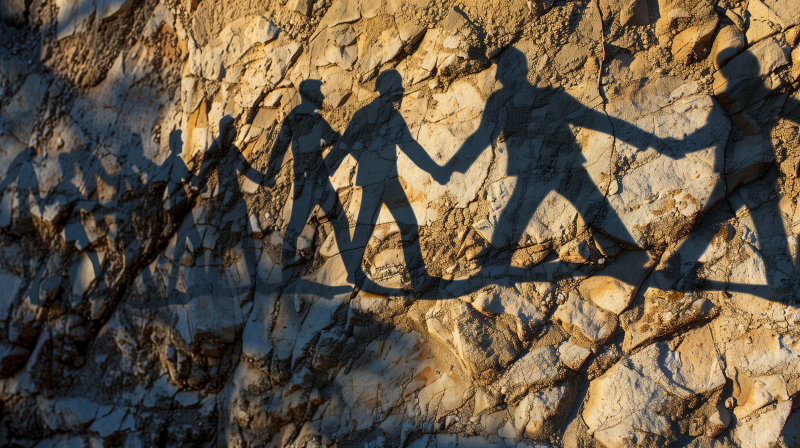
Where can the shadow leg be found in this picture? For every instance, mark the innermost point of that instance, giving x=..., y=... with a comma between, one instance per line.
x=592, y=204
x=352, y=248
x=400, y=208
x=301, y=207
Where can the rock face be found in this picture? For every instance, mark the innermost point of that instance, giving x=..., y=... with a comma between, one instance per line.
x=413, y=224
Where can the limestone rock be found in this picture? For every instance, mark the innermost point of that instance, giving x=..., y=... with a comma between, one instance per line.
x=736, y=85
x=693, y=42
x=482, y=347
x=614, y=287
x=664, y=312
x=585, y=320
x=301, y=6
x=728, y=43
x=536, y=409
x=622, y=403
x=764, y=430
x=537, y=367
x=514, y=301
x=213, y=212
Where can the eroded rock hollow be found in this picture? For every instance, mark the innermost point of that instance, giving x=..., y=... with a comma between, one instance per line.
x=405, y=224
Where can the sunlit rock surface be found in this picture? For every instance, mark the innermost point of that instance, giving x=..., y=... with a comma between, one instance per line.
x=409, y=224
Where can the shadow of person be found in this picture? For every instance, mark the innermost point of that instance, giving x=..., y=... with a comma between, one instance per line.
x=180, y=185
x=371, y=138
x=224, y=211
x=542, y=153
x=134, y=169
x=81, y=170
x=174, y=172
x=304, y=130
x=743, y=86
x=17, y=187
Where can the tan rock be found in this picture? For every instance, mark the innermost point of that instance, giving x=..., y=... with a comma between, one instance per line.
x=765, y=390
x=613, y=288
x=373, y=54
x=621, y=404
x=765, y=429
x=483, y=346
x=575, y=252
x=301, y=6
x=694, y=366
x=736, y=86
x=585, y=320
x=694, y=42
x=543, y=406
x=573, y=355
x=728, y=43
x=765, y=352
x=664, y=312
x=514, y=302
x=535, y=368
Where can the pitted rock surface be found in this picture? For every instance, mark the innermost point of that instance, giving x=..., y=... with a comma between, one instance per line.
x=340, y=223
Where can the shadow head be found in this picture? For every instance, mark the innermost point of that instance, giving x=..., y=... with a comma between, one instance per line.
x=176, y=141
x=311, y=89
x=734, y=64
x=512, y=67
x=389, y=83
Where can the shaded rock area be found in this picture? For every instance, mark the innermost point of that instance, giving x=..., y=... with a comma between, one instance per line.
x=320, y=223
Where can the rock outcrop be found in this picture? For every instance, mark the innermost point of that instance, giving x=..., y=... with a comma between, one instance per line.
x=413, y=224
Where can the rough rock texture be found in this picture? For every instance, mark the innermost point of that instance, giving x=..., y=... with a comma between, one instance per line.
x=383, y=223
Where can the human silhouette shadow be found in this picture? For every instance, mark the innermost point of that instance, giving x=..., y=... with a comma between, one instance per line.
x=543, y=154
x=21, y=177
x=304, y=130
x=371, y=138
x=181, y=185
x=79, y=168
x=744, y=87
x=176, y=174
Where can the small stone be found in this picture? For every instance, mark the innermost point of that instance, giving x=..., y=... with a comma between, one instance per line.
x=301, y=6
x=728, y=43
x=585, y=320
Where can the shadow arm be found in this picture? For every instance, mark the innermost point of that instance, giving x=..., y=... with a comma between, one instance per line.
x=329, y=137
x=422, y=159
x=279, y=148
x=474, y=145
x=341, y=147
x=639, y=138
x=792, y=105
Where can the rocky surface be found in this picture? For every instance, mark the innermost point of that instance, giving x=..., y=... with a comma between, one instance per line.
x=383, y=223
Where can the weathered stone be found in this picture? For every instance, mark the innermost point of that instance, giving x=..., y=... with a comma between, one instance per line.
x=664, y=312
x=622, y=404
x=765, y=390
x=301, y=6
x=613, y=288
x=765, y=429
x=728, y=43
x=765, y=352
x=585, y=320
x=515, y=302
x=534, y=411
x=537, y=367
x=573, y=355
x=227, y=223
x=694, y=42
x=482, y=345
x=694, y=366
x=736, y=86
x=372, y=54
